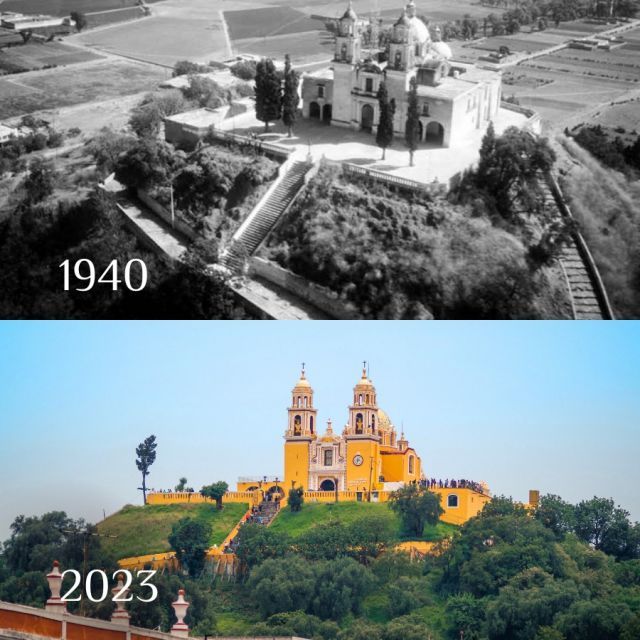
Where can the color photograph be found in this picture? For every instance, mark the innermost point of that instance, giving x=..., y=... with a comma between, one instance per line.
x=320, y=481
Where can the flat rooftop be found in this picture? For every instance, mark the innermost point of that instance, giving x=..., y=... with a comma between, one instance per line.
x=200, y=118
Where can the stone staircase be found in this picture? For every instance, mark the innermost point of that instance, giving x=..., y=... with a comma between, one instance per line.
x=583, y=295
x=263, y=218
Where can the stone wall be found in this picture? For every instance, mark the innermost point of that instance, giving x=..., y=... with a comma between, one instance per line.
x=318, y=296
x=180, y=225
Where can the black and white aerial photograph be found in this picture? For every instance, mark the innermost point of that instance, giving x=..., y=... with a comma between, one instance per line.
x=348, y=159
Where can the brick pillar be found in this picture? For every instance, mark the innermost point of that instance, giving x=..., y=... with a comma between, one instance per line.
x=54, y=603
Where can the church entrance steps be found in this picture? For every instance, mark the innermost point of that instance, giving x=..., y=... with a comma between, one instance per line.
x=265, y=215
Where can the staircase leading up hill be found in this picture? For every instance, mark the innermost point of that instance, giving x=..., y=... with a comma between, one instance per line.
x=263, y=218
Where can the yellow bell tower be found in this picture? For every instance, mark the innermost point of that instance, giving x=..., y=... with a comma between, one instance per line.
x=363, y=439
x=301, y=431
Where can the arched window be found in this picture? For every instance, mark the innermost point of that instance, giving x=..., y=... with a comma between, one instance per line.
x=297, y=426
x=452, y=501
x=328, y=457
x=411, y=464
x=367, y=398
x=359, y=423
x=305, y=402
x=311, y=424
x=373, y=424
x=299, y=402
x=360, y=399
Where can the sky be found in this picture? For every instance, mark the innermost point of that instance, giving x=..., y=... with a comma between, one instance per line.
x=553, y=406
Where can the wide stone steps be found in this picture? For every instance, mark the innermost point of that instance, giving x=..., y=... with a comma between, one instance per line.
x=267, y=215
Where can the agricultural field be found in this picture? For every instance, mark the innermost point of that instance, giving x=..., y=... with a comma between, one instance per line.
x=176, y=30
x=302, y=47
x=65, y=7
x=142, y=530
x=268, y=21
x=38, y=55
x=65, y=86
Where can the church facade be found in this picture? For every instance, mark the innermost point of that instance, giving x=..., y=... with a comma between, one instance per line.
x=453, y=99
x=367, y=456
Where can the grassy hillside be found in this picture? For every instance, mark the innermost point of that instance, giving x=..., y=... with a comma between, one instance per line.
x=143, y=530
x=297, y=524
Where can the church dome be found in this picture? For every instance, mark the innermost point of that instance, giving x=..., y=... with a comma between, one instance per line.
x=303, y=383
x=350, y=14
x=403, y=20
x=442, y=49
x=364, y=382
x=384, y=422
x=418, y=31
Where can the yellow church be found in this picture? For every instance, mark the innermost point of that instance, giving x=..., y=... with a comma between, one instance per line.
x=365, y=462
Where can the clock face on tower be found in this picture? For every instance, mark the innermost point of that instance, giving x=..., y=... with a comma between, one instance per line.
x=357, y=460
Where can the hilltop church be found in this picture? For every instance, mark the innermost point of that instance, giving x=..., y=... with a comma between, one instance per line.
x=454, y=99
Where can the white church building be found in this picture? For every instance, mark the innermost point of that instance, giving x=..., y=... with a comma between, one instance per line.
x=455, y=99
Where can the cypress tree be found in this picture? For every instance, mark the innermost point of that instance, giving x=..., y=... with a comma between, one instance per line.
x=290, y=97
x=384, y=135
x=412, y=128
x=268, y=93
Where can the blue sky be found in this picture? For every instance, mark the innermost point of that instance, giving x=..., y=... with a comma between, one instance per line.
x=552, y=406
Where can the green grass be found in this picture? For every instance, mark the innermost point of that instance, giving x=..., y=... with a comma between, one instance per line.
x=312, y=514
x=144, y=530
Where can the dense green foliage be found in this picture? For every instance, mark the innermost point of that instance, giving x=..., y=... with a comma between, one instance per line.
x=295, y=498
x=613, y=153
x=190, y=540
x=393, y=255
x=417, y=507
x=384, y=133
x=268, y=91
x=290, y=96
x=215, y=491
x=507, y=574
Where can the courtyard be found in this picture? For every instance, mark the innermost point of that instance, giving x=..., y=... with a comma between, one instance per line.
x=431, y=162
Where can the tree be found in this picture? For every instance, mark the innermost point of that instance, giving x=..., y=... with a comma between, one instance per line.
x=384, y=135
x=466, y=616
x=510, y=166
x=182, y=483
x=416, y=506
x=412, y=127
x=154, y=108
x=555, y=514
x=268, y=93
x=190, y=540
x=146, y=452
x=40, y=182
x=290, y=97
x=79, y=19
x=257, y=543
x=296, y=498
x=107, y=146
x=215, y=492
x=607, y=527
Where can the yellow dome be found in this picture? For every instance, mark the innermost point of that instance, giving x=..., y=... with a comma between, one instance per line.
x=303, y=383
x=383, y=420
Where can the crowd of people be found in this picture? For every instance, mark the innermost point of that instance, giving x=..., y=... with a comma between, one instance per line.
x=432, y=483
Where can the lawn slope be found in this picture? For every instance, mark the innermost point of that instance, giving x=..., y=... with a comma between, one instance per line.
x=144, y=530
x=319, y=513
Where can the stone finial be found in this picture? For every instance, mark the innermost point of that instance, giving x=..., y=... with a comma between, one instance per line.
x=120, y=615
x=180, y=607
x=54, y=603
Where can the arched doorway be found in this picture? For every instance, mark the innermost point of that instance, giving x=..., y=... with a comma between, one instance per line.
x=327, y=485
x=314, y=110
x=435, y=133
x=274, y=494
x=366, y=119
x=326, y=113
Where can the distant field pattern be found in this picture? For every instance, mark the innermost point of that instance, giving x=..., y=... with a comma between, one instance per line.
x=65, y=7
x=270, y=21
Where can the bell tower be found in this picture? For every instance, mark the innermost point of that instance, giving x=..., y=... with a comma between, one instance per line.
x=363, y=437
x=301, y=431
x=347, y=56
